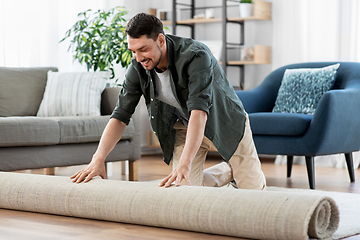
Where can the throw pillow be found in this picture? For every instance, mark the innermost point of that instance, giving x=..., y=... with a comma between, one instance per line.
x=301, y=89
x=73, y=94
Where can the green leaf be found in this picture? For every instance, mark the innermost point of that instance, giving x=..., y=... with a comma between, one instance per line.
x=98, y=38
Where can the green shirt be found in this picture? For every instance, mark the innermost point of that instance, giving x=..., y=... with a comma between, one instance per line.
x=198, y=82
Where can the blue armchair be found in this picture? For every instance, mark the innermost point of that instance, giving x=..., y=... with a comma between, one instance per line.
x=334, y=127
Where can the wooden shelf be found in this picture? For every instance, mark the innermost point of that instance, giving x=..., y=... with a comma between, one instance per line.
x=259, y=55
x=262, y=11
x=192, y=21
x=166, y=22
x=262, y=55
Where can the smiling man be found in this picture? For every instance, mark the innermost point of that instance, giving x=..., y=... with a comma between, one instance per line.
x=192, y=109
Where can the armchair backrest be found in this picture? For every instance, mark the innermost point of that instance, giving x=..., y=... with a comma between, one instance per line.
x=348, y=76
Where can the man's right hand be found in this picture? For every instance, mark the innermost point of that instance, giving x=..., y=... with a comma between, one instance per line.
x=95, y=168
x=111, y=135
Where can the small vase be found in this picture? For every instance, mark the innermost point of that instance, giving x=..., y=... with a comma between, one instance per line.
x=246, y=9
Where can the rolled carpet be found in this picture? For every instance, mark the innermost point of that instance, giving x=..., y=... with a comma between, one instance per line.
x=223, y=211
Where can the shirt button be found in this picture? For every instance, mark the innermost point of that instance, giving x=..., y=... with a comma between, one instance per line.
x=152, y=99
x=152, y=117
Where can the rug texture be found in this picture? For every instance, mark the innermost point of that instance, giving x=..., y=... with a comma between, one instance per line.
x=348, y=205
x=223, y=211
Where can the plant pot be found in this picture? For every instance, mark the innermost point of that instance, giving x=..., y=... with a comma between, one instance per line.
x=246, y=9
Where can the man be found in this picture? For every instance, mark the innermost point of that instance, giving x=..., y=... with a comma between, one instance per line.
x=192, y=108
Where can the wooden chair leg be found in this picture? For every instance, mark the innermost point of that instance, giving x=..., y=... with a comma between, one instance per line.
x=290, y=160
x=50, y=171
x=310, y=171
x=133, y=170
x=350, y=166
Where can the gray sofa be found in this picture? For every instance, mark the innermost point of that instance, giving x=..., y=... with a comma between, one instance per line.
x=31, y=142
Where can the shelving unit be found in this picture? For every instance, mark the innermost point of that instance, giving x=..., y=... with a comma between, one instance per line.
x=262, y=11
x=262, y=55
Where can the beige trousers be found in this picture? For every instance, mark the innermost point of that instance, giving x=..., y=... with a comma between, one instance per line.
x=245, y=164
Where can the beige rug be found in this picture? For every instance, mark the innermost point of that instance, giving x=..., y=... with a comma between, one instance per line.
x=272, y=214
x=348, y=205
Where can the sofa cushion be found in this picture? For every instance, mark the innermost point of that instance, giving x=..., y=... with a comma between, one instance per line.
x=86, y=129
x=280, y=124
x=28, y=131
x=301, y=89
x=73, y=94
x=21, y=90
x=38, y=131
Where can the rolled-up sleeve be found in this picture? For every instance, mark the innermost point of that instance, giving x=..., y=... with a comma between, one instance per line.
x=201, y=78
x=129, y=96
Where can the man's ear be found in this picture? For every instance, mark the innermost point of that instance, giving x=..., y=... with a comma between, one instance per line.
x=161, y=39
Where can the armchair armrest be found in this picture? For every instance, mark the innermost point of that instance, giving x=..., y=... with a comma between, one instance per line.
x=336, y=122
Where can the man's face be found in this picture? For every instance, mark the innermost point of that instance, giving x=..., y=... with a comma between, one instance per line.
x=145, y=50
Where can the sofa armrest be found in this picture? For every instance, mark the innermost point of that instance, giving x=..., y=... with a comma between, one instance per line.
x=109, y=99
x=136, y=117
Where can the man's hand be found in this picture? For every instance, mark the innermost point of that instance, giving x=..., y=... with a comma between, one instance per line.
x=95, y=168
x=111, y=135
x=181, y=172
x=194, y=137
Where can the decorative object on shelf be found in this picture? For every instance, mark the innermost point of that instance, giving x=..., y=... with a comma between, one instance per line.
x=163, y=14
x=152, y=11
x=209, y=13
x=246, y=8
x=99, y=39
x=247, y=53
x=199, y=16
x=261, y=55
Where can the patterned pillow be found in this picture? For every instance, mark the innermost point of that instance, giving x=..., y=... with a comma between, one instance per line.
x=73, y=94
x=301, y=89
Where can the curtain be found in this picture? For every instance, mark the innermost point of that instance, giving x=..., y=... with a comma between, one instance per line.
x=316, y=30
x=30, y=32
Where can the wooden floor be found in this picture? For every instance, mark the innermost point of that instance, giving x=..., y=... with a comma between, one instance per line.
x=24, y=225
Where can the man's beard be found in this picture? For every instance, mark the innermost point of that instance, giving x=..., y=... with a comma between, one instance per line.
x=157, y=63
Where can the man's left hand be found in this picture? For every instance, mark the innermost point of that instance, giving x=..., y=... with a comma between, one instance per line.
x=181, y=172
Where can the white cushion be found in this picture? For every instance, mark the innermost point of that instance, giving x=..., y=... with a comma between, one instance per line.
x=73, y=94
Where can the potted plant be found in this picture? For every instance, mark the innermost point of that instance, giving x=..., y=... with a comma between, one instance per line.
x=246, y=8
x=99, y=39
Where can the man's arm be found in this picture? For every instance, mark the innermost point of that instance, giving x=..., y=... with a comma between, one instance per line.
x=111, y=135
x=194, y=137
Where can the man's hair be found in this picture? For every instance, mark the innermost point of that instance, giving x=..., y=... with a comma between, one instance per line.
x=144, y=24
